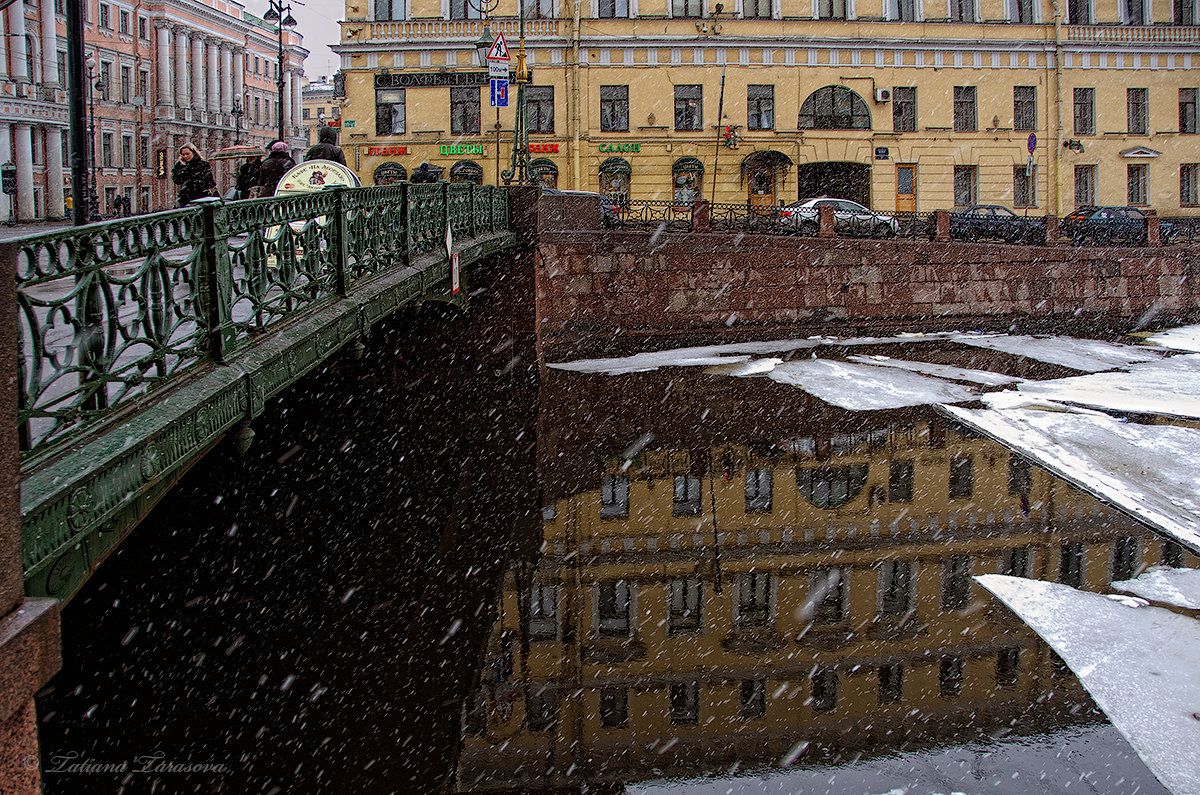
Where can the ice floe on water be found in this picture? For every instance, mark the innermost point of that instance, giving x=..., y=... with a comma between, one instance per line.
x=1170, y=387
x=862, y=387
x=1175, y=587
x=1137, y=662
x=703, y=356
x=1184, y=338
x=1089, y=356
x=948, y=371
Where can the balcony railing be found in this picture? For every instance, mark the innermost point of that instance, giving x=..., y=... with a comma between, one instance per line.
x=1134, y=34
x=465, y=29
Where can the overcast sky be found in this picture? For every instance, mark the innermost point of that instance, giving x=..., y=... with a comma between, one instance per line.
x=317, y=22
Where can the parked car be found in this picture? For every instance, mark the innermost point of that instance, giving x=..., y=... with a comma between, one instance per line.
x=610, y=210
x=992, y=222
x=1104, y=226
x=849, y=218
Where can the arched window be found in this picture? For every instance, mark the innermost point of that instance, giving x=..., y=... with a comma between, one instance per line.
x=389, y=174
x=834, y=108
x=686, y=176
x=831, y=487
x=466, y=171
x=614, y=179
x=544, y=171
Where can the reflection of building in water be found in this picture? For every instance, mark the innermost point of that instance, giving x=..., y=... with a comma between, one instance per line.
x=700, y=607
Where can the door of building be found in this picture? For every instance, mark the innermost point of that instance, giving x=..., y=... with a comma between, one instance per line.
x=762, y=187
x=906, y=188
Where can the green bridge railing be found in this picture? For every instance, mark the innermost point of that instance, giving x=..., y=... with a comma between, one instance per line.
x=110, y=311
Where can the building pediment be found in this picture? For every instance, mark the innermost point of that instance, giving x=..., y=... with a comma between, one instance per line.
x=1140, y=151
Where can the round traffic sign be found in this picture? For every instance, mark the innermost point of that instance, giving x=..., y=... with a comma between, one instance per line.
x=1032, y=142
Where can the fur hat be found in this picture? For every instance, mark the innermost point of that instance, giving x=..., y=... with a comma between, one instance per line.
x=279, y=146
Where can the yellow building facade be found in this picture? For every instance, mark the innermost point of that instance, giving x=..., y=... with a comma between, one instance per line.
x=901, y=104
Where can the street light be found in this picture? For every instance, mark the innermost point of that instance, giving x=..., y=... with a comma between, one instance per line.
x=99, y=85
x=280, y=13
x=519, y=169
x=237, y=114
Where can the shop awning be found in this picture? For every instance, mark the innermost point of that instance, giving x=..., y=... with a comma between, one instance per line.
x=616, y=165
x=766, y=158
x=687, y=165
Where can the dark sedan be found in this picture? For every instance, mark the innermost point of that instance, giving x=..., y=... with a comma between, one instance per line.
x=992, y=222
x=1106, y=226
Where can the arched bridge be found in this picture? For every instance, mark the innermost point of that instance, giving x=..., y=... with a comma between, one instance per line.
x=144, y=341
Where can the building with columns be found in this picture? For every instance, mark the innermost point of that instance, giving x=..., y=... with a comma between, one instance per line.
x=159, y=75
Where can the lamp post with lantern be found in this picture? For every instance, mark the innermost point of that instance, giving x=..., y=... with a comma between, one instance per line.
x=280, y=13
x=99, y=85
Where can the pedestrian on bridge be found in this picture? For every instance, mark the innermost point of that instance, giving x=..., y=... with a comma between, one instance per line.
x=273, y=167
x=193, y=176
x=326, y=147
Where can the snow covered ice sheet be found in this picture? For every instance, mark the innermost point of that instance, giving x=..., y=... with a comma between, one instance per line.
x=1170, y=387
x=1138, y=663
x=1089, y=356
x=1152, y=472
x=1184, y=338
x=862, y=387
x=948, y=371
x=1178, y=587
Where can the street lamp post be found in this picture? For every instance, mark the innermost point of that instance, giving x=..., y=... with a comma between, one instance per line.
x=519, y=168
x=237, y=114
x=280, y=13
x=98, y=84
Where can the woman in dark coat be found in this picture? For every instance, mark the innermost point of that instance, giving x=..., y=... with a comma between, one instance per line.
x=273, y=167
x=193, y=176
x=326, y=147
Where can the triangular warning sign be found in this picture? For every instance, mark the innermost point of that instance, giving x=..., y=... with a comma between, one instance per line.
x=499, y=51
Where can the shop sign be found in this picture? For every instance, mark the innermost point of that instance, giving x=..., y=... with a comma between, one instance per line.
x=881, y=153
x=543, y=149
x=461, y=149
x=348, y=122
x=387, y=151
x=431, y=79
x=629, y=147
x=160, y=164
x=334, y=123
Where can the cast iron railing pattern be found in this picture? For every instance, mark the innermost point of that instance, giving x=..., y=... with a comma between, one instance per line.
x=110, y=311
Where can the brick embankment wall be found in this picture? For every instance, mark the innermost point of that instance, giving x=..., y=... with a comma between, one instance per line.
x=597, y=284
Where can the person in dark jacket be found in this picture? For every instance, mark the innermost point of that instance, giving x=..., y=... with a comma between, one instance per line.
x=326, y=147
x=425, y=174
x=193, y=176
x=247, y=177
x=273, y=167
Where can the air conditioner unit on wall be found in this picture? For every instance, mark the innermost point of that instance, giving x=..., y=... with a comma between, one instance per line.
x=883, y=95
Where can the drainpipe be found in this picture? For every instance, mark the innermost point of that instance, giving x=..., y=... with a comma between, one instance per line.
x=1054, y=158
x=575, y=120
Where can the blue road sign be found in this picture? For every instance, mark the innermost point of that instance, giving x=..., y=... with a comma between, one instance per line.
x=499, y=93
x=1032, y=143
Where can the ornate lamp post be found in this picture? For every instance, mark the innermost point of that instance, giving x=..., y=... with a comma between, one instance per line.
x=519, y=169
x=280, y=13
x=99, y=85
x=237, y=114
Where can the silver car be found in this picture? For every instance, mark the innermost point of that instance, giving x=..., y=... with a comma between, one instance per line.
x=850, y=219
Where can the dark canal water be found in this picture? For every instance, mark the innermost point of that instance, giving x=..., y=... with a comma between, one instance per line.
x=436, y=571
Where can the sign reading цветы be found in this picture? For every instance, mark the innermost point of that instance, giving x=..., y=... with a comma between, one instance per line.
x=461, y=149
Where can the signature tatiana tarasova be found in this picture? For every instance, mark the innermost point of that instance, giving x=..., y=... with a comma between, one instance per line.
x=74, y=762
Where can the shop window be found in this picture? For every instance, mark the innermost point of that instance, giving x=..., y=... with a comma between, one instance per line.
x=614, y=179
x=389, y=111
x=687, y=174
x=689, y=106
x=614, y=108
x=389, y=174
x=834, y=108
x=904, y=109
x=539, y=109
x=831, y=487
x=466, y=171
x=544, y=172
x=464, y=111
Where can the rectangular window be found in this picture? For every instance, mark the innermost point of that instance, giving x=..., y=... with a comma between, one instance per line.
x=539, y=9
x=687, y=496
x=685, y=703
x=1125, y=558
x=1137, y=110
x=1085, y=186
x=126, y=83
x=962, y=10
x=1023, y=9
x=754, y=599
x=964, y=109
x=956, y=582
x=907, y=10
x=756, y=9
x=1172, y=554
x=124, y=23
x=389, y=9
x=689, y=106
x=144, y=153
x=543, y=612
x=1135, y=12
x=760, y=107
x=824, y=690
x=684, y=615
x=144, y=199
x=1020, y=475
x=904, y=109
x=687, y=8
x=389, y=111
x=1024, y=186
x=891, y=683
x=1085, y=111
x=126, y=151
x=614, y=497
x=104, y=18
x=144, y=85
x=539, y=109
x=1187, y=111
x=1135, y=179
x=465, y=9
x=464, y=111
x=827, y=596
x=895, y=587
x=614, y=707
x=1070, y=565
x=966, y=185
x=1024, y=108
x=614, y=108
x=950, y=677
x=1079, y=12
x=105, y=87
x=106, y=149
x=613, y=9
x=143, y=28
x=613, y=608
x=754, y=699
x=962, y=477
x=900, y=481
x=831, y=9
x=1183, y=12
x=110, y=198
x=759, y=485
x=304, y=113
x=541, y=708
x=1008, y=663
x=1189, y=178
x=1014, y=562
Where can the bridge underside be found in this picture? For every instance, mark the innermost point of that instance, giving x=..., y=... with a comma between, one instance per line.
x=78, y=506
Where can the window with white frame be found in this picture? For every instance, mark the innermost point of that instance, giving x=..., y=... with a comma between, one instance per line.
x=1085, y=186
x=612, y=9
x=612, y=608
x=614, y=497
x=1135, y=12
x=962, y=10
x=1136, y=180
x=1021, y=12
x=1189, y=180
x=389, y=10
x=1079, y=12
x=687, y=8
